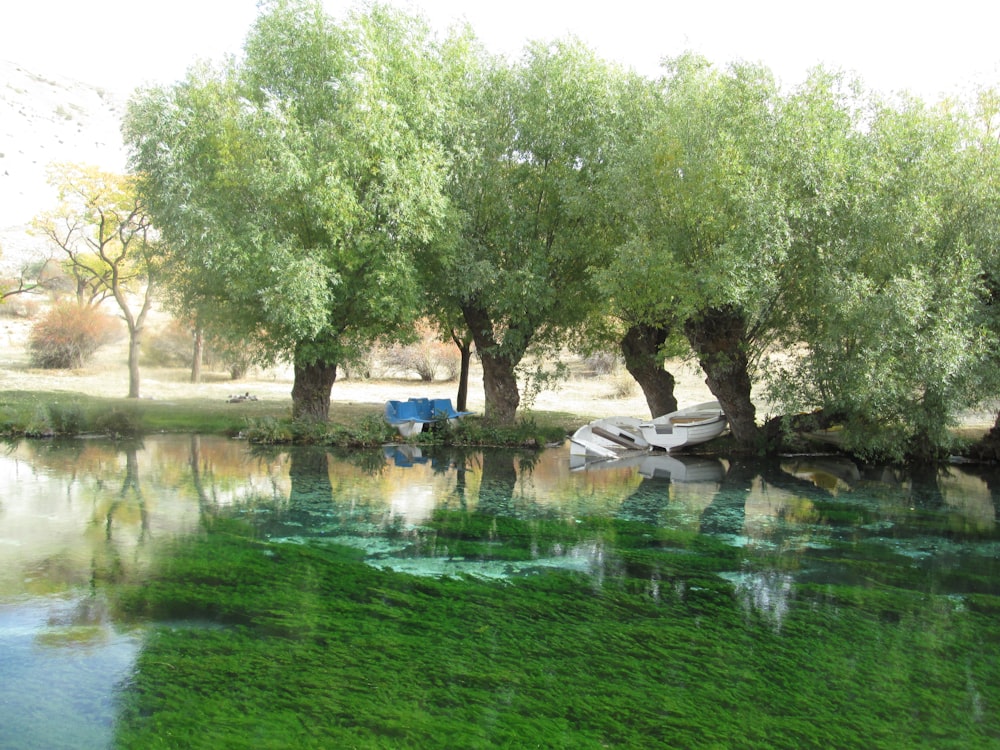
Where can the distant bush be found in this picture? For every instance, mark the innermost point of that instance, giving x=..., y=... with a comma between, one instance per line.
x=236, y=357
x=69, y=335
x=602, y=363
x=18, y=305
x=169, y=346
x=623, y=385
x=173, y=346
x=428, y=356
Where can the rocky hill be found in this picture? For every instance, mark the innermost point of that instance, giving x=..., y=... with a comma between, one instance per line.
x=45, y=119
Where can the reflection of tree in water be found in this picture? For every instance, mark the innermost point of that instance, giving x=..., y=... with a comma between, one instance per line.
x=726, y=514
x=765, y=592
x=458, y=460
x=647, y=502
x=925, y=487
x=131, y=491
x=206, y=504
x=496, y=487
x=309, y=473
x=989, y=475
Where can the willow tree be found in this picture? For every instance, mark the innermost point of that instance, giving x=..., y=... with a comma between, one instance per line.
x=891, y=319
x=709, y=252
x=983, y=174
x=296, y=183
x=529, y=151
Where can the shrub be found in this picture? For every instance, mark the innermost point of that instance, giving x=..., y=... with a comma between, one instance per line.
x=170, y=346
x=18, y=305
x=623, y=385
x=119, y=423
x=426, y=356
x=66, y=419
x=235, y=356
x=602, y=363
x=69, y=335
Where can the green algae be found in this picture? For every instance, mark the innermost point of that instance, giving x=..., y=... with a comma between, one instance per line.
x=312, y=648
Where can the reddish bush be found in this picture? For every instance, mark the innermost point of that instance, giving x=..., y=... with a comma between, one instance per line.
x=427, y=356
x=68, y=336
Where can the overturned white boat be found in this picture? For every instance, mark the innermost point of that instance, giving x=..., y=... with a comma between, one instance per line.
x=609, y=437
x=614, y=437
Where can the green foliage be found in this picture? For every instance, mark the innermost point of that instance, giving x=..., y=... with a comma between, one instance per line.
x=529, y=144
x=295, y=185
x=525, y=432
x=66, y=419
x=346, y=176
x=68, y=335
x=890, y=312
x=306, y=646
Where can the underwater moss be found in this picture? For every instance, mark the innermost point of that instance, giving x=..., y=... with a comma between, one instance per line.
x=263, y=645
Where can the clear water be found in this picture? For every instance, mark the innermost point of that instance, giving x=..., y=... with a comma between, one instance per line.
x=83, y=521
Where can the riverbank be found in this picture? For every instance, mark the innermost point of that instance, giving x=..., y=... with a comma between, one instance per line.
x=40, y=402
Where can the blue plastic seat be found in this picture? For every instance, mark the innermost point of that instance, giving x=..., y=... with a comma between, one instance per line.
x=442, y=409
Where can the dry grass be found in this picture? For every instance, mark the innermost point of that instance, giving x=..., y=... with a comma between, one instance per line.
x=581, y=397
x=582, y=394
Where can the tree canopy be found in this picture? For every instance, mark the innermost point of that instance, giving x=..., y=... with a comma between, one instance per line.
x=296, y=185
x=344, y=177
x=529, y=160
x=102, y=228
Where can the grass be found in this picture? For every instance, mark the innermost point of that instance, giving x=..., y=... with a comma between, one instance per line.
x=39, y=413
x=62, y=413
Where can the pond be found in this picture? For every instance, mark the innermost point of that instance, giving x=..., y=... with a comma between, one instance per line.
x=192, y=592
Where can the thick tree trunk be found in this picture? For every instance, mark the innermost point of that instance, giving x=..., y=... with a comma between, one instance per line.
x=499, y=379
x=718, y=337
x=500, y=387
x=199, y=351
x=465, y=351
x=640, y=346
x=311, y=388
x=988, y=447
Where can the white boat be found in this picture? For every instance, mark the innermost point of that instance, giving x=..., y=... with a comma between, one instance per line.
x=609, y=437
x=691, y=426
x=615, y=437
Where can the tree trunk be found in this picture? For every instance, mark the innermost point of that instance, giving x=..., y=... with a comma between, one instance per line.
x=465, y=350
x=199, y=351
x=499, y=379
x=134, y=345
x=988, y=447
x=718, y=337
x=500, y=387
x=311, y=388
x=136, y=325
x=640, y=346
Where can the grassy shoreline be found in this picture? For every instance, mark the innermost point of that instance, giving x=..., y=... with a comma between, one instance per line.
x=205, y=409
x=66, y=414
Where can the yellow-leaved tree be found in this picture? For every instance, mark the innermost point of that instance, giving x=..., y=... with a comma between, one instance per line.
x=108, y=244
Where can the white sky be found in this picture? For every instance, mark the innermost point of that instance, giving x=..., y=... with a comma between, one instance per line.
x=926, y=48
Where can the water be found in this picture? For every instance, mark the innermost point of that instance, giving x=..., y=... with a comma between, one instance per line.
x=195, y=592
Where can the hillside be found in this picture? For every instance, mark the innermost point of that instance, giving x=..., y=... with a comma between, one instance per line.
x=46, y=119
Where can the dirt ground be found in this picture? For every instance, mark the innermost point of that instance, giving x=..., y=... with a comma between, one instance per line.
x=582, y=393
x=107, y=375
